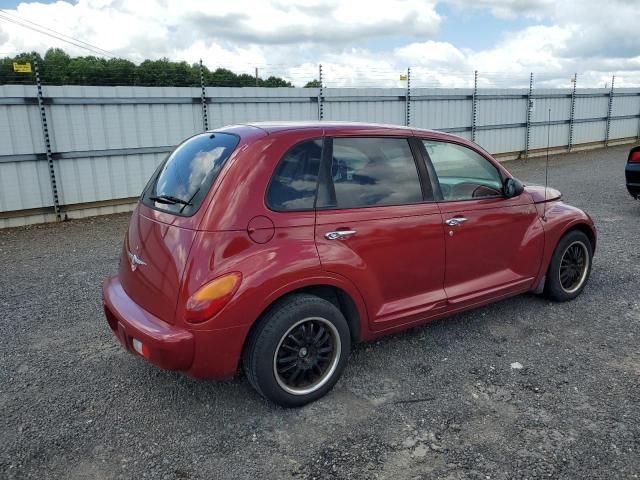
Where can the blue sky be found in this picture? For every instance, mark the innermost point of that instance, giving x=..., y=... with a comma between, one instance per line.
x=479, y=29
x=359, y=44
x=13, y=4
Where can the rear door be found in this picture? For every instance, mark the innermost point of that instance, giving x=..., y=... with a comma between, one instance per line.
x=493, y=243
x=378, y=226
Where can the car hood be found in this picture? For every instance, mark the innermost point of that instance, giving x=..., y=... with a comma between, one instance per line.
x=537, y=192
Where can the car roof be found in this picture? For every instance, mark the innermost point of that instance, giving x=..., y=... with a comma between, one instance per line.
x=272, y=127
x=336, y=127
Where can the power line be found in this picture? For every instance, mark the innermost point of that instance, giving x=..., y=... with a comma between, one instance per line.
x=21, y=19
x=15, y=19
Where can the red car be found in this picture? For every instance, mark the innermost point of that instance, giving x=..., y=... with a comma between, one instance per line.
x=278, y=245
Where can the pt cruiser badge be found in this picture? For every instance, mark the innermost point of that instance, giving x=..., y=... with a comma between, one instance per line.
x=135, y=261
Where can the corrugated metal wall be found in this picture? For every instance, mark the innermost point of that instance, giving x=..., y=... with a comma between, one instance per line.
x=106, y=141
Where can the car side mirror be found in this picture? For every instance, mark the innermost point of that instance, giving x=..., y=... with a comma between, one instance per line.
x=512, y=187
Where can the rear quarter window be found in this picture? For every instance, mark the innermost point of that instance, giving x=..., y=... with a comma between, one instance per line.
x=295, y=180
x=183, y=181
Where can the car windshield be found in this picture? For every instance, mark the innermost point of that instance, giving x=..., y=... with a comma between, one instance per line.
x=187, y=175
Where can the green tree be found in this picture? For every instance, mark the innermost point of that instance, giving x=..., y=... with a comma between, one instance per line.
x=88, y=71
x=121, y=71
x=276, y=82
x=313, y=84
x=58, y=68
x=246, y=80
x=9, y=77
x=222, y=77
x=55, y=67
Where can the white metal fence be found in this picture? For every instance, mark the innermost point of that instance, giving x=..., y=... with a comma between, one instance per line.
x=106, y=141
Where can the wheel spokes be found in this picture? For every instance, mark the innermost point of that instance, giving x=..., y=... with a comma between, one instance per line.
x=306, y=354
x=573, y=264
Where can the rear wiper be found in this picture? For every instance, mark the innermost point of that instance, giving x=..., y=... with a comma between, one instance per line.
x=184, y=205
x=170, y=200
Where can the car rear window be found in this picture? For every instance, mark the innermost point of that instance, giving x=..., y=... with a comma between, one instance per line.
x=184, y=179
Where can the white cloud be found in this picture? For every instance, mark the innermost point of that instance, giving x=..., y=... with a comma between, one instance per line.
x=289, y=38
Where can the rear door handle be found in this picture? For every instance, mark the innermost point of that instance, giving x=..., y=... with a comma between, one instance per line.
x=339, y=234
x=452, y=222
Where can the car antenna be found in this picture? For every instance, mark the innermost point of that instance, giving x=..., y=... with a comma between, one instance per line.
x=546, y=169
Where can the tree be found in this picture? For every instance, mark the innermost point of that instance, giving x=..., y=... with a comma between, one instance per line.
x=87, y=71
x=222, y=77
x=121, y=71
x=9, y=77
x=246, y=80
x=58, y=68
x=276, y=82
x=55, y=66
x=313, y=84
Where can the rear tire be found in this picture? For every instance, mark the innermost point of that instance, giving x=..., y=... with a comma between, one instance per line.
x=570, y=267
x=297, y=350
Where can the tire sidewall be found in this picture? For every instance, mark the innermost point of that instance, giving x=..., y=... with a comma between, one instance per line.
x=268, y=341
x=554, y=288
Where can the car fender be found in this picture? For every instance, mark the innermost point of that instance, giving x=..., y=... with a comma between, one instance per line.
x=269, y=271
x=324, y=278
x=558, y=219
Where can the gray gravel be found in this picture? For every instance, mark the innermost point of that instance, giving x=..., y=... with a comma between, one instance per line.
x=441, y=401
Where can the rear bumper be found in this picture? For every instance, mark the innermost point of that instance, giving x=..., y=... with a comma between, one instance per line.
x=168, y=347
x=632, y=175
x=198, y=353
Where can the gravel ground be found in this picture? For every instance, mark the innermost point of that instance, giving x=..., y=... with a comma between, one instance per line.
x=440, y=401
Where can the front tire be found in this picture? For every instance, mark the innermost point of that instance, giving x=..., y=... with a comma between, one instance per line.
x=298, y=350
x=570, y=267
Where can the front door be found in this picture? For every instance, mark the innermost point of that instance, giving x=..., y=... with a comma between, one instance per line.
x=493, y=243
x=377, y=227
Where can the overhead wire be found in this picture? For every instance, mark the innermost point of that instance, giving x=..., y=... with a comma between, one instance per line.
x=23, y=22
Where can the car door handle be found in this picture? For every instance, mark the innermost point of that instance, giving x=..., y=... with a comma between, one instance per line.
x=339, y=234
x=452, y=222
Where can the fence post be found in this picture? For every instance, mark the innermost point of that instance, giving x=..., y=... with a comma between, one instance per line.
x=529, y=105
x=638, y=125
x=407, y=108
x=474, y=106
x=572, y=110
x=320, y=94
x=203, y=99
x=608, y=130
x=47, y=143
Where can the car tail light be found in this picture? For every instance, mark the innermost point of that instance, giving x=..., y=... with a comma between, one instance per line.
x=210, y=298
x=635, y=157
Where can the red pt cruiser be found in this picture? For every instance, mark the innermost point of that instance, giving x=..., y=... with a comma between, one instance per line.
x=278, y=245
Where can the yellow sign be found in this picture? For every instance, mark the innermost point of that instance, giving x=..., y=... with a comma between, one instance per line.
x=403, y=77
x=22, y=67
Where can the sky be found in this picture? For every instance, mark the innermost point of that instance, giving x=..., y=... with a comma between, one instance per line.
x=359, y=43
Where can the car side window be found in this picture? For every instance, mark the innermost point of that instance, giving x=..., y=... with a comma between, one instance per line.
x=462, y=173
x=371, y=172
x=294, y=183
